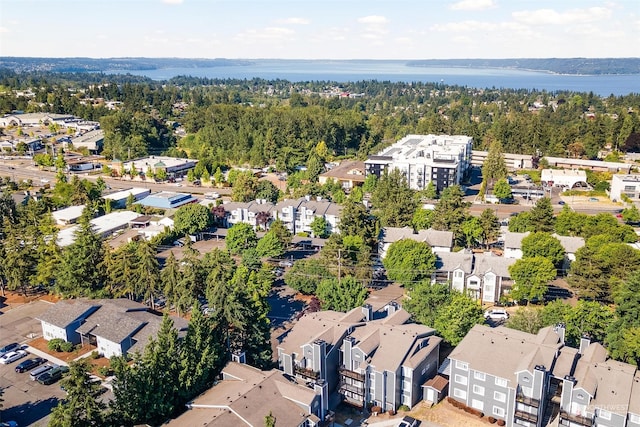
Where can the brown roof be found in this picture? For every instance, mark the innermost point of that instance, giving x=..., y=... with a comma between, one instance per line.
x=348, y=170
x=248, y=394
x=438, y=383
x=615, y=381
x=634, y=400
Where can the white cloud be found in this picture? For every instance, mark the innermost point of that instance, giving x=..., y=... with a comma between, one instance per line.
x=172, y=1
x=473, y=5
x=373, y=20
x=294, y=21
x=474, y=26
x=268, y=33
x=4, y=30
x=552, y=17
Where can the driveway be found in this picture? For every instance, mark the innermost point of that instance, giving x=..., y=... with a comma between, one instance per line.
x=27, y=402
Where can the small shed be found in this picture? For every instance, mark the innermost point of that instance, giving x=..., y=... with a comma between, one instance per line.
x=435, y=389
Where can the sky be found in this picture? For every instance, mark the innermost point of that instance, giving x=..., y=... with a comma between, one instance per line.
x=314, y=29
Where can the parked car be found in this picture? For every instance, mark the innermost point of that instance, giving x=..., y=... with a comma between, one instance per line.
x=9, y=347
x=594, y=199
x=9, y=424
x=29, y=364
x=52, y=375
x=40, y=370
x=496, y=314
x=561, y=203
x=12, y=356
x=285, y=263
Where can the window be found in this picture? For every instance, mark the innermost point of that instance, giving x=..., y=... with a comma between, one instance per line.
x=477, y=404
x=479, y=375
x=501, y=382
x=460, y=379
x=462, y=365
x=499, y=397
x=459, y=274
x=634, y=418
x=498, y=411
x=478, y=390
x=460, y=394
x=629, y=188
x=605, y=415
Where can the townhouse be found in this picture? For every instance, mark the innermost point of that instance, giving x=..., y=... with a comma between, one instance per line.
x=440, y=241
x=365, y=357
x=534, y=379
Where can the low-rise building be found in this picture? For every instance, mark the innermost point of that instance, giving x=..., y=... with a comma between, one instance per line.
x=513, y=244
x=349, y=174
x=102, y=225
x=167, y=200
x=361, y=357
x=565, y=178
x=519, y=377
x=115, y=327
x=440, y=241
x=627, y=185
x=172, y=166
x=119, y=199
x=246, y=395
x=68, y=215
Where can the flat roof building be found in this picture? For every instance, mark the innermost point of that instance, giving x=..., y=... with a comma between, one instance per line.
x=629, y=185
x=566, y=178
x=172, y=165
x=103, y=225
x=68, y=215
x=119, y=199
x=441, y=159
x=167, y=200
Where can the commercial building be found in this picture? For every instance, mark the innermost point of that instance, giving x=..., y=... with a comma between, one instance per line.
x=167, y=200
x=119, y=199
x=68, y=215
x=173, y=166
x=629, y=185
x=441, y=159
x=102, y=225
x=565, y=178
x=536, y=380
x=363, y=356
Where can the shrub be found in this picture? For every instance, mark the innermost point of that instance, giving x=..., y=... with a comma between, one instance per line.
x=376, y=409
x=501, y=422
x=95, y=355
x=57, y=344
x=404, y=408
x=67, y=347
x=105, y=371
x=492, y=420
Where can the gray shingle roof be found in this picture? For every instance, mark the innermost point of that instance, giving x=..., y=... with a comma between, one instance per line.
x=65, y=312
x=514, y=240
x=449, y=261
x=487, y=261
x=569, y=243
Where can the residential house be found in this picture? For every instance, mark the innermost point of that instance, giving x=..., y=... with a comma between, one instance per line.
x=115, y=326
x=259, y=213
x=535, y=379
x=453, y=268
x=285, y=211
x=349, y=174
x=363, y=358
x=570, y=244
x=246, y=395
x=440, y=241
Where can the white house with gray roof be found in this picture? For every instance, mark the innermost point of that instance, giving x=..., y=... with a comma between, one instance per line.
x=115, y=326
x=513, y=244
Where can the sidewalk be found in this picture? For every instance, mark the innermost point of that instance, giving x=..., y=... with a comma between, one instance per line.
x=47, y=356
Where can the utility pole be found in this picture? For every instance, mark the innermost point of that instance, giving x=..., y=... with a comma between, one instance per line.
x=339, y=267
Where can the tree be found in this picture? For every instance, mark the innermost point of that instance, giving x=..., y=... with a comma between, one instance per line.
x=570, y=223
x=392, y=200
x=456, y=319
x=451, y=211
x=623, y=333
x=422, y=219
x=425, y=300
x=356, y=221
x=544, y=245
x=192, y=218
x=531, y=276
x=315, y=166
x=266, y=190
x=305, y=275
x=589, y=318
x=502, y=189
x=282, y=232
x=494, y=167
x=244, y=187
x=341, y=295
x=82, y=405
x=430, y=192
x=526, y=319
x=269, y=420
x=147, y=272
x=490, y=226
x=370, y=183
x=409, y=261
x=472, y=231
x=520, y=223
x=541, y=216
x=240, y=237
x=270, y=246
x=319, y=227
x=631, y=215
x=170, y=280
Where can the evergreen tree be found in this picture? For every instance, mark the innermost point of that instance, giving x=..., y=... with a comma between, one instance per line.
x=82, y=406
x=147, y=272
x=451, y=211
x=494, y=167
x=393, y=201
x=541, y=216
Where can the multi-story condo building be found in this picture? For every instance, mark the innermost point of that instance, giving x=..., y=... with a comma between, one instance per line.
x=531, y=380
x=363, y=359
x=627, y=185
x=441, y=159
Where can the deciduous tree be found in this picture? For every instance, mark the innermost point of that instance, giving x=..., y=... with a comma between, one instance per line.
x=409, y=262
x=531, y=277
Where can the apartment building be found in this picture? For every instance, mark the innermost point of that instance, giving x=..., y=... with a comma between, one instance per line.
x=533, y=379
x=627, y=185
x=441, y=159
x=363, y=358
x=440, y=241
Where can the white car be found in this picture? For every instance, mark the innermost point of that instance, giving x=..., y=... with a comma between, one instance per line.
x=12, y=356
x=496, y=314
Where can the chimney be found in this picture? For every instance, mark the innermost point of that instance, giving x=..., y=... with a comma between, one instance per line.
x=561, y=330
x=318, y=198
x=584, y=343
x=392, y=307
x=367, y=310
x=307, y=198
x=239, y=357
x=321, y=388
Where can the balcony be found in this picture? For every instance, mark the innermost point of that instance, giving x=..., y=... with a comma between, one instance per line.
x=567, y=419
x=535, y=403
x=352, y=374
x=306, y=373
x=352, y=389
x=532, y=418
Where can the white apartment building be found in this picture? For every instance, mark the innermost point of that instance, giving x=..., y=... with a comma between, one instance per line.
x=629, y=185
x=443, y=159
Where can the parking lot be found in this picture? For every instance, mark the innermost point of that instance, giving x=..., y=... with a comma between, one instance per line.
x=25, y=401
